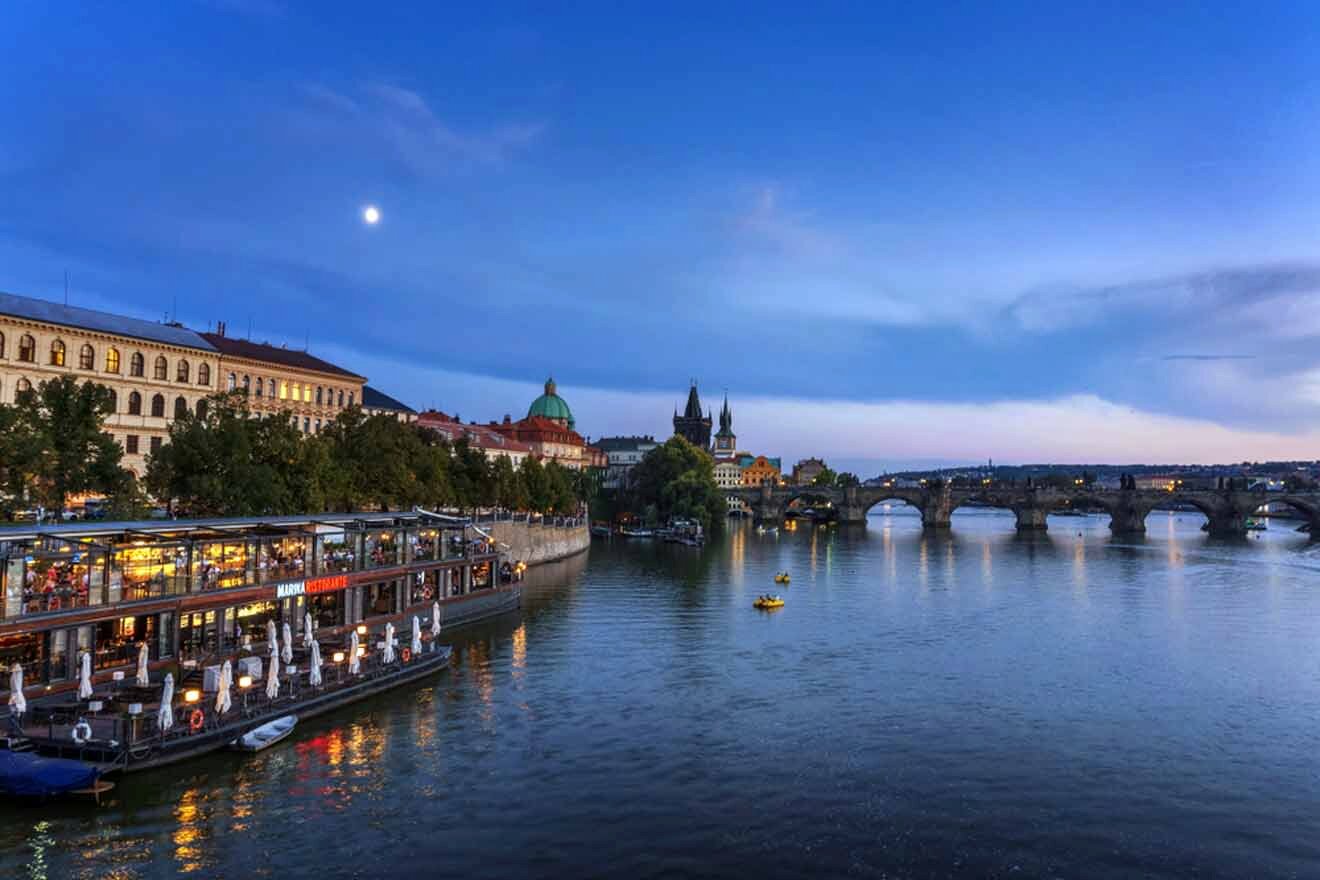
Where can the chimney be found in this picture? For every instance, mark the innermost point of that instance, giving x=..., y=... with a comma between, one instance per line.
x=220, y=328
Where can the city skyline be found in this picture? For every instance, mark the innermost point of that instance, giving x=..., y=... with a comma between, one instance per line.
x=888, y=235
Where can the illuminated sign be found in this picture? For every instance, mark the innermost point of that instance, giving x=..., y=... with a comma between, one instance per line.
x=288, y=589
x=326, y=584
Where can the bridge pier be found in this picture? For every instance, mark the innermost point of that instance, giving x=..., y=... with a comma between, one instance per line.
x=937, y=509
x=851, y=510
x=1127, y=517
x=1227, y=524
x=1031, y=518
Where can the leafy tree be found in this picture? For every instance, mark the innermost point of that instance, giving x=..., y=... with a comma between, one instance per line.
x=848, y=480
x=536, y=484
x=561, y=489
x=677, y=479
x=510, y=493
x=826, y=478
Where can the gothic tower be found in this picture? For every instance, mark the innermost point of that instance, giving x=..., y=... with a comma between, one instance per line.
x=726, y=443
x=692, y=425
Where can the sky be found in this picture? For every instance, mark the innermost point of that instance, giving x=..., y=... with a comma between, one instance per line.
x=896, y=234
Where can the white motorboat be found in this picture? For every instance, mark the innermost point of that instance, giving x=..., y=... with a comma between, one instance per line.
x=266, y=735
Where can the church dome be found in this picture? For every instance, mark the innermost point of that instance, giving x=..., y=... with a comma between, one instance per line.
x=551, y=406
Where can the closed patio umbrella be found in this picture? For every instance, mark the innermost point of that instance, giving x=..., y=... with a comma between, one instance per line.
x=142, y=680
x=435, y=620
x=307, y=630
x=388, y=655
x=287, y=651
x=17, y=702
x=354, y=665
x=85, y=676
x=314, y=674
x=417, y=635
x=223, y=702
x=270, y=632
x=273, y=676
x=165, y=718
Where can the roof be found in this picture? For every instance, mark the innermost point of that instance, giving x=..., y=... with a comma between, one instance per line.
x=551, y=406
x=746, y=460
x=210, y=525
x=100, y=322
x=540, y=428
x=624, y=444
x=480, y=436
x=373, y=399
x=261, y=351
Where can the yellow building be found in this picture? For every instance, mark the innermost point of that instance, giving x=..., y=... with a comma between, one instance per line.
x=156, y=371
x=760, y=470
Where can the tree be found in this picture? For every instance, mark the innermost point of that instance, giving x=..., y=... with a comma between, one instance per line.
x=510, y=493
x=826, y=478
x=535, y=483
x=848, y=480
x=58, y=442
x=677, y=479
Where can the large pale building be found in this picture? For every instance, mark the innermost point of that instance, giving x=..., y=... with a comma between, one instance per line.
x=622, y=454
x=728, y=474
x=492, y=443
x=279, y=379
x=549, y=430
x=156, y=371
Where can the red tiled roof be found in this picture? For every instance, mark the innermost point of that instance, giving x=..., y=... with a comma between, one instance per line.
x=539, y=429
x=259, y=351
x=479, y=436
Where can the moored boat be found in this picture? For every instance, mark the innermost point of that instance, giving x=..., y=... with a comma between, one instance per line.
x=266, y=735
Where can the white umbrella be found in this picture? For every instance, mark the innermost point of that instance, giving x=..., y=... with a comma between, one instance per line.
x=17, y=702
x=354, y=665
x=286, y=653
x=388, y=656
x=273, y=676
x=417, y=636
x=435, y=620
x=314, y=674
x=270, y=632
x=165, y=718
x=143, y=680
x=307, y=630
x=85, y=676
x=223, y=703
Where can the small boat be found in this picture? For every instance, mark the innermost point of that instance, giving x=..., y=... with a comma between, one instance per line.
x=768, y=602
x=600, y=531
x=266, y=735
x=782, y=578
x=28, y=775
x=1256, y=525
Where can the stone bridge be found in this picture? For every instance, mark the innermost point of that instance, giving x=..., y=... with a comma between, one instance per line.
x=1226, y=509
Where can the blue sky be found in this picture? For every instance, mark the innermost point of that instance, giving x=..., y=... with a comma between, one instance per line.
x=893, y=232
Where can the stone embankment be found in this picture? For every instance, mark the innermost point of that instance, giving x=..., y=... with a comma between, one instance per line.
x=540, y=541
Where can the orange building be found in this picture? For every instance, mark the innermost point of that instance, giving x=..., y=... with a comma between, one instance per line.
x=757, y=471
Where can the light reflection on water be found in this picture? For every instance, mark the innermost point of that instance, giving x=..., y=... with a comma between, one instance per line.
x=974, y=703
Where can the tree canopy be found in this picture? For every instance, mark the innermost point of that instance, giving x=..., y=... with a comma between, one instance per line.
x=676, y=480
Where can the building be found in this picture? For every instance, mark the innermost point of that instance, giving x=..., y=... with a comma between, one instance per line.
x=548, y=439
x=492, y=443
x=622, y=454
x=760, y=470
x=692, y=425
x=726, y=443
x=378, y=403
x=279, y=379
x=728, y=474
x=806, y=471
x=553, y=407
x=156, y=371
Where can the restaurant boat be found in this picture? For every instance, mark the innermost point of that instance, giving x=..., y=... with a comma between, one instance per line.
x=158, y=608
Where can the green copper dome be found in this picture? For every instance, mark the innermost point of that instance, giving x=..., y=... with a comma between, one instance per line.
x=551, y=406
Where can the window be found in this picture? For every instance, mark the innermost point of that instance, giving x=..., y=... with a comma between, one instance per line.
x=318, y=426
x=136, y=364
x=22, y=385
x=112, y=360
x=180, y=407
x=350, y=398
x=260, y=385
x=155, y=445
x=233, y=382
x=201, y=408
x=57, y=353
x=27, y=349
x=341, y=397
x=134, y=407
x=184, y=371
x=319, y=389
x=86, y=358
x=284, y=390
x=203, y=374
x=307, y=394
x=158, y=405
x=131, y=443
x=114, y=400
x=247, y=384
x=162, y=370
x=2, y=345
x=307, y=425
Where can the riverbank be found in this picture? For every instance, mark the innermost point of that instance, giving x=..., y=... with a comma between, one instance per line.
x=536, y=543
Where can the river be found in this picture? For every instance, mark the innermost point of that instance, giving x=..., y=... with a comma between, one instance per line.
x=970, y=704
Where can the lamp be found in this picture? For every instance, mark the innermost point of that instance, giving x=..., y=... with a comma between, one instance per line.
x=362, y=650
x=192, y=695
x=338, y=657
x=245, y=681
x=362, y=629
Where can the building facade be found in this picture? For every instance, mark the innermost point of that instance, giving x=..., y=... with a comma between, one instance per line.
x=548, y=440
x=156, y=371
x=378, y=403
x=622, y=454
x=692, y=425
x=728, y=475
x=806, y=471
x=283, y=380
x=492, y=443
x=760, y=470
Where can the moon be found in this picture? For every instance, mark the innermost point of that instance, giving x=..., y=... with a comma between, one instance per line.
x=371, y=215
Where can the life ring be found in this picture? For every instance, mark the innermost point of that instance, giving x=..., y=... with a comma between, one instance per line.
x=196, y=720
x=406, y=654
x=426, y=592
x=82, y=732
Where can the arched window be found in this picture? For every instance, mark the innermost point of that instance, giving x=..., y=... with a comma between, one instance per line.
x=201, y=408
x=57, y=353
x=203, y=374
x=184, y=371
x=158, y=406
x=114, y=399
x=341, y=398
x=27, y=349
x=260, y=386
x=112, y=360
x=350, y=398
x=162, y=370
x=318, y=426
x=247, y=384
x=2, y=345
x=180, y=407
x=86, y=358
x=134, y=404
x=22, y=385
x=233, y=382
x=136, y=364
x=319, y=391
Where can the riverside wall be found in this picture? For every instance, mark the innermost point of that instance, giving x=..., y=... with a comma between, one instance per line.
x=534, y=543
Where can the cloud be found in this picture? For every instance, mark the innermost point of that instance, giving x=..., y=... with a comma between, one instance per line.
x=1208, y=357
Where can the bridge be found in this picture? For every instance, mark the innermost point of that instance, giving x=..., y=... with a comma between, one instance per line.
x=1226, y=509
